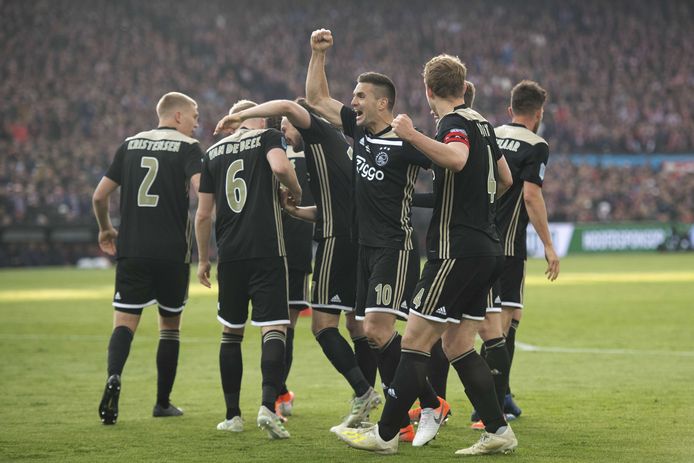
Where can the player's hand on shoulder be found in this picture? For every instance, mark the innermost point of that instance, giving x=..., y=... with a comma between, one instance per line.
x=403, y=127
x=204, y=274
x=321, y=39
x=107, y=241
x=228, y=124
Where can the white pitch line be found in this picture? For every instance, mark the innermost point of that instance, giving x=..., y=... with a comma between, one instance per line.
x=589, y=350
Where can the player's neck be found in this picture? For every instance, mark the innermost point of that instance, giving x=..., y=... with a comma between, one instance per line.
x=446, y=106
x=381, y=123
x=527, y=121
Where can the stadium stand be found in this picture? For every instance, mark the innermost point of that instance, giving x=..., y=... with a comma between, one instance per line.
x=80, y=75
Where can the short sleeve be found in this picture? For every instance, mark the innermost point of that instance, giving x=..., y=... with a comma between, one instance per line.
x=349, y=120
x=414, y=156
x=206, y=179
x=494, y=144
x=193, y=160
x=453, y=130
x=273, y=138
x=533, y=169
x=115, y=171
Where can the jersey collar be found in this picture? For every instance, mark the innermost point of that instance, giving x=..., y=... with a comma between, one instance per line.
x=166, y=128
x=382, y=132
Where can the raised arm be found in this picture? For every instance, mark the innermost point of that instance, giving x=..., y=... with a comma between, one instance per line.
x=317, y=92
x=297, y=115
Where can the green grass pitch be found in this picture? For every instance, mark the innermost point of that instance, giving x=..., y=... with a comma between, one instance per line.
x=605, y=374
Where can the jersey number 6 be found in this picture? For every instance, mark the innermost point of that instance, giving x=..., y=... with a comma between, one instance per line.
x=235, y=187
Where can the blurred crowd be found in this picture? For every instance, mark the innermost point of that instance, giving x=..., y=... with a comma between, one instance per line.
x=78, y=76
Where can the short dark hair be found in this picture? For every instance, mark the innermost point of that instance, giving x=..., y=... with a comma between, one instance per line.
x=382, y=82
x=301, y=101
x=527, y=97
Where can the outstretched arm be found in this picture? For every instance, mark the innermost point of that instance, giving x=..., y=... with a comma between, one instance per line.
x=296, y=115
x=308, y=213
x=317, y=92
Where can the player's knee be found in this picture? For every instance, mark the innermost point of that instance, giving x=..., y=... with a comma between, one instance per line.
x=377, y=334
x=354, y=327
x=322, y=321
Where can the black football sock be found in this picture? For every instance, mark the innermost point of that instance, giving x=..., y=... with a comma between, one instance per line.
x=167, y=362
x=408, y=382
x=118, y=349
x=366, y=359
x=479, y=387
x=231, y=370
x=438, y=369
x=337, y=350
x=511, y=348
x=272, y=366
x=497, y=359
x=288, y=359
x=388, y=359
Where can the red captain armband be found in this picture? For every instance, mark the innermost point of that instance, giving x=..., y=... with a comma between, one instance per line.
x=457, y=136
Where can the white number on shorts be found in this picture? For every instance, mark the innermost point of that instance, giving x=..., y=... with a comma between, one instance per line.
x=384, y=294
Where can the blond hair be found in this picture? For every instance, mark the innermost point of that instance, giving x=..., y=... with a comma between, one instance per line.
x=241, y=105
x=445, y=76
x=172, y=102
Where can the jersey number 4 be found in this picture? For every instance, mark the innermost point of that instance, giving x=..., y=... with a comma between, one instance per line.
x=236, y=187
x=491, y=180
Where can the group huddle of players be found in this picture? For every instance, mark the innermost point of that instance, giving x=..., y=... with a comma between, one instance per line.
x=487, y=187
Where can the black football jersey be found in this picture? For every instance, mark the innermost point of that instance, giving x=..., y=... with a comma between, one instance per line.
x=463, y=221
x=298, y=234
x=153, y=169
x=329, y=164
x=527, y=154
x=386, y=169
x=249, y=214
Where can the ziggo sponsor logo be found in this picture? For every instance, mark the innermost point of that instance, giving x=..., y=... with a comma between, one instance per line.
x=366, y=171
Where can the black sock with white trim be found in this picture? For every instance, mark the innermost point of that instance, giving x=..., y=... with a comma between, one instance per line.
x=119, y=349
x=272, y=366
x=167, y=363
x=231, y=371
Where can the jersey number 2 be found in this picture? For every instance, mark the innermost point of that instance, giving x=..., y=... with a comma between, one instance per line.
x=236, y=187
x=144, y=199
